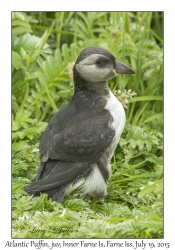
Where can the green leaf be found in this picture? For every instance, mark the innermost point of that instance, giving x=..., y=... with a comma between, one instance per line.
x=16, y=188
x=77, y=204
x=30, y=44
x=20, y=145
x=156, y=187
x=152, y=117
x=65, y=54
x=25, y=98
x=145, y=98
x=18, y=15
x=31, y=76
x=155, y=159
x=43, y=81
x=61, y=85
x=17, y=60
x=43, y=40
x=21, y=30
x=20, y=23
x=38, y=111
x=58, y=60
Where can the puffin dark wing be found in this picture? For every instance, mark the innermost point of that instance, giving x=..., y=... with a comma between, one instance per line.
x=84, y=140
x=73, y=153
x=61, y=174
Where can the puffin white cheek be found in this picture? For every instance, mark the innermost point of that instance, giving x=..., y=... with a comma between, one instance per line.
x=93, y=73
x=99, y=74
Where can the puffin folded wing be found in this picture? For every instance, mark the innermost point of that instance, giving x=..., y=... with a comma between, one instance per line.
x=55, y=183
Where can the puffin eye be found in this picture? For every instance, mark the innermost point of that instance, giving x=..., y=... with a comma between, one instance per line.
x=98, y=61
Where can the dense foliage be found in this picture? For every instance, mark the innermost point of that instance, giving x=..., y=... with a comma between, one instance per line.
x=45, y=46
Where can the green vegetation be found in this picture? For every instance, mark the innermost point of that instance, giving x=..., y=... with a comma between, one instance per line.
x=45, y=46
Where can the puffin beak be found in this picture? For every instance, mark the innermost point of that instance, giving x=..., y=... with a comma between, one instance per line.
x=122, y=68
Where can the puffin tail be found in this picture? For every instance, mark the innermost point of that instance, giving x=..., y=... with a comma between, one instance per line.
x=57, y=194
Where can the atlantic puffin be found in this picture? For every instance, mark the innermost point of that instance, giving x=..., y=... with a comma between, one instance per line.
x=80, y=139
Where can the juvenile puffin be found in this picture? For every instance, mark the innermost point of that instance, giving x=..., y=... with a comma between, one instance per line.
x=80, y=139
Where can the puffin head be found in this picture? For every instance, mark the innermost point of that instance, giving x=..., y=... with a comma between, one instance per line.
x=98, y=65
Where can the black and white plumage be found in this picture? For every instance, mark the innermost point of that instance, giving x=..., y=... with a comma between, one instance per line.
x=79, y=141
